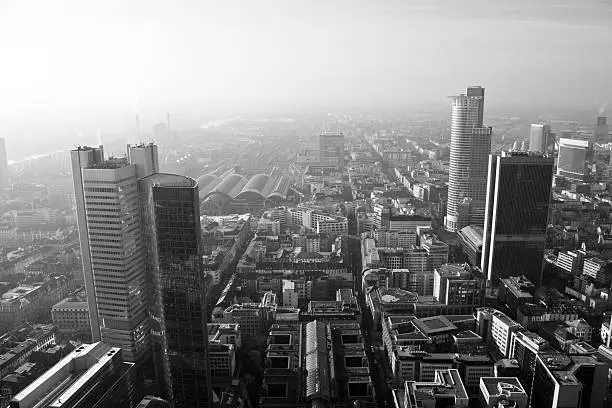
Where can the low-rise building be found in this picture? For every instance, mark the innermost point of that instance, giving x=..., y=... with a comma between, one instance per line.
x=470, y=238
x=222, y=360
x=444, y=390
x=496, y=329
x=33, y=301
x=225, y=333
x=502, y=391
x=92, y=375
x=72, y=319
x=515, y=291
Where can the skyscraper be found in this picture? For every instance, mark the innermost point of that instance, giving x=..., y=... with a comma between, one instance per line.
x=112, y=248
x=540, y=138
x=518, y=195
x=331, y=148
x=575, y=157
x=3, y=164
x=469, y=151
x=171, y=225
x=601, y=130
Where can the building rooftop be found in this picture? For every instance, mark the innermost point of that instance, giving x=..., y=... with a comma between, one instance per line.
x=467, y=335
x=69, y=304
x=502, y=385
x=520, y=286
x=77, y=370
x=447, y=383
x=456, y=271
x=396, y=295
x=434, y=325
x=472, y=234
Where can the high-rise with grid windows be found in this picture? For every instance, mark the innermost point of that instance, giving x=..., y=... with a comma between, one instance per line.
x=469, y=155
x=112, y=248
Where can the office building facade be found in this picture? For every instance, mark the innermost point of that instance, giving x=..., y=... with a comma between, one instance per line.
x=112, y=247
x=171, y=225
x=469, y=151
x=601, y=130
x=518, y=196
x=331, y=148
x=540, y=138
x=575, y=157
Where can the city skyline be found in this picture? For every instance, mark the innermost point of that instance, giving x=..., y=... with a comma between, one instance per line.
x=277, y=204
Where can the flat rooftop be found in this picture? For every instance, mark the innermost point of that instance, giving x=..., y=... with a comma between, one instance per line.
x=434, y=325
x=499, y=385
x=396, y=295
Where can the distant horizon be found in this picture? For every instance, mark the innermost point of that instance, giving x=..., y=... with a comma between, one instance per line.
x=72, y=67
x=123, y=123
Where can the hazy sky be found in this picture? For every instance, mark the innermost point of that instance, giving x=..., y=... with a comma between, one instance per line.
x=61, y=57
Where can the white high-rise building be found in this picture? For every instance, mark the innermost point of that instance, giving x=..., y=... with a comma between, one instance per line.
x=112, y=247
x=469, y=155
x=540, y=138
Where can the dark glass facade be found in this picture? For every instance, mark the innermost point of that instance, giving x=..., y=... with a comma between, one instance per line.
x=543, y=387
x=172, y=227
x=518, y=197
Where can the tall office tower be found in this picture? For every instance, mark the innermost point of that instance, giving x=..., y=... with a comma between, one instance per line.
x=469, y=151
x=575, y=158
x=171, y=225
x=112, y=248
x=518, y=196
x=331, y=147
x=601, y=130
x=3, y=164
x=540, y=138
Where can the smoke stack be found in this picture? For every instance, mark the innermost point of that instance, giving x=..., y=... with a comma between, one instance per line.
x=602, y=109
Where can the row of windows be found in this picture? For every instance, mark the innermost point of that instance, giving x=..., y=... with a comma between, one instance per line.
x=91, y=209
x=107, y=203
x=101, y=189
x=109, y=182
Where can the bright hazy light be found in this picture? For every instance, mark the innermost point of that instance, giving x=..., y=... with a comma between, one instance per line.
x=62, y=56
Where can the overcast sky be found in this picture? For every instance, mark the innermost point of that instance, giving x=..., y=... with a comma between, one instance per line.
x=62, y=56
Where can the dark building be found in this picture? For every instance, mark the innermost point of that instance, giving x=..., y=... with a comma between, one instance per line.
x=518, y=196
x=470, y=238
x=562, y=381
x=171, y=223
x=515, y=291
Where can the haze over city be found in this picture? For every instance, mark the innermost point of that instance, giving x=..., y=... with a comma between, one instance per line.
x=78, y=66
x=306, y=204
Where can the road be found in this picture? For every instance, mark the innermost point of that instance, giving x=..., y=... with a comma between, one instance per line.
x=372, y=339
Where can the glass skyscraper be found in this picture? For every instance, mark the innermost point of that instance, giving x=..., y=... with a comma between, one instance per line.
x=171, y=225
x=518, y=196
x=469, y=153
x=575, y=159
